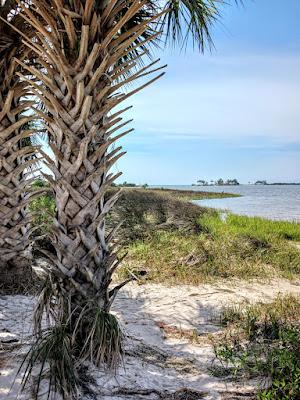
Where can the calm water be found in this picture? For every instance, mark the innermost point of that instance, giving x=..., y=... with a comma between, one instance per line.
x=273, y=202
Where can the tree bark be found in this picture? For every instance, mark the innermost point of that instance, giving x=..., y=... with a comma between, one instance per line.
x=16, y=157
x=84, y=64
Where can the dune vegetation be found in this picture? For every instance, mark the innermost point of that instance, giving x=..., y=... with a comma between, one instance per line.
x=172, y=241
x=262, y=341
x=213, y=246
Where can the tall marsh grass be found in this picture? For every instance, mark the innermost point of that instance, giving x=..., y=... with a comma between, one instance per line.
x=235, y=247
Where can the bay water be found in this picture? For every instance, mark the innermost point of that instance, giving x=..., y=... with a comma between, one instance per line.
x=276, y=202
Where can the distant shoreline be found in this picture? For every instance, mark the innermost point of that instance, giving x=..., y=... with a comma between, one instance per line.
x=185, y=194
x=194, y=194
x=250, y=184
x=282, y=184
x=221, y=186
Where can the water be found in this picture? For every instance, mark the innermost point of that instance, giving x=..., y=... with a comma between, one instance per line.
x=280, y=202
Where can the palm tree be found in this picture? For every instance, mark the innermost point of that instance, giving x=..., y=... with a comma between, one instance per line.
x=88, y=53
x=15, y=153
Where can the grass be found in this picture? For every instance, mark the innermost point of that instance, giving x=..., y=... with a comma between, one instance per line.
x=283, y=310
x=237, y=247
x=262, y=341
x=255, y=227
x=142, y=212
x=175, y=242
x=43, y=208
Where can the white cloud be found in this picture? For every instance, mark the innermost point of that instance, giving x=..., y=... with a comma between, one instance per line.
x=226, y=97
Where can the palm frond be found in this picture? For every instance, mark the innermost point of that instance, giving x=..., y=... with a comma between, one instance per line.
x=50, y=357
x=192, y=20
x=98, y=336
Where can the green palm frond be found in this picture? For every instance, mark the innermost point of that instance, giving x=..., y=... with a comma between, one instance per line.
x=192, y=20
x=181, y=21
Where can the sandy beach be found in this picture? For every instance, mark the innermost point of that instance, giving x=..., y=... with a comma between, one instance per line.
x=161, y=360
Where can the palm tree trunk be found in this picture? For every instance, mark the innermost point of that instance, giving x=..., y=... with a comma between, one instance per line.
x=87, y=54
x=80, y=83
x=16, y=156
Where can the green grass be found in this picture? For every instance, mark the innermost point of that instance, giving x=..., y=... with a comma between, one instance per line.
x=255, y=227
x=263, y=341
x=239, y=247
x=283, y=309
x=43, y=208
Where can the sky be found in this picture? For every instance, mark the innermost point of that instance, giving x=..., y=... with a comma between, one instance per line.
x=230, y=113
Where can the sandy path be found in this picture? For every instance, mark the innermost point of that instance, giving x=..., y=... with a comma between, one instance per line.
x=154, y=363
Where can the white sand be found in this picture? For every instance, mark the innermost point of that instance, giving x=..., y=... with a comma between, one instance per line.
x=153, y=360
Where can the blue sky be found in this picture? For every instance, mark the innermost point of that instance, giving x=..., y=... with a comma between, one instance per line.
x=232, y=113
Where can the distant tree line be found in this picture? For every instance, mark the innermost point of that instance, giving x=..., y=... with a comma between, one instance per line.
x=129, y=184
x=261, y=183
x=219, y=182
x=276, y=183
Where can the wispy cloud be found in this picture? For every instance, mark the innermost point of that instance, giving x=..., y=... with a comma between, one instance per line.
x=244, y=96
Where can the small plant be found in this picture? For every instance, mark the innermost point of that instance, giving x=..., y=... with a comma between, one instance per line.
x=264, y=341
x=98, y=337
x=52, y=356
x=43, y=209
x=73, y=336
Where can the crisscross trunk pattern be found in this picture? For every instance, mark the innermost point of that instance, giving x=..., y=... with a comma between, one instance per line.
x=86, y=57
x=16, y=157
